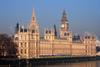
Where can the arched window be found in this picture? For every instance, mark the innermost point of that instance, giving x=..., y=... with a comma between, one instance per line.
x=65, y=34
x=21, y=44
x=46, y=31
x=25, y=30
x=49, y=31
x=33, y=31
x=21, y=30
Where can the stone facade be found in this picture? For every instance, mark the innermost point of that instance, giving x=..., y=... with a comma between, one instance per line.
x=32, y=45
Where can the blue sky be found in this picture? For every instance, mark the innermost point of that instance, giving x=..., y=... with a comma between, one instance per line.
x=83, y=15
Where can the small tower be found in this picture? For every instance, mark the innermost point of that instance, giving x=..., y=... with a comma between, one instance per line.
x=34, y=37
x=49, y=34
x=17, y=27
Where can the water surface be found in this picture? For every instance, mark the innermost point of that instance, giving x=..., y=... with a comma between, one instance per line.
x=78, y=64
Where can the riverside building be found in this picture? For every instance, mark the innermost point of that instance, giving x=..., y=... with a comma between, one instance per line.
x=32, y=45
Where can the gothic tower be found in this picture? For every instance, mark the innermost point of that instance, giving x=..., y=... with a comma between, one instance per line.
x=64, y=26
x=34, y=27
x=89, y=40
x=34, y=36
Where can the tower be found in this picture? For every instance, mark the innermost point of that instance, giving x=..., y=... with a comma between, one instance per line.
x=64, y=26
x=49, y=34
x=34, y=37
x=55, y=31
x=89, y=41
x=33, y=27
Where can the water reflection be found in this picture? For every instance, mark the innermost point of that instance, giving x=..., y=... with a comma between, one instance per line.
x=80, y=64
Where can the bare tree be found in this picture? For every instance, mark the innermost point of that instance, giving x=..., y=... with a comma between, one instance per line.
x=7, y=47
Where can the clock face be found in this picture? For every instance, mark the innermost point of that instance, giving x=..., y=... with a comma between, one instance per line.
x=62, y=25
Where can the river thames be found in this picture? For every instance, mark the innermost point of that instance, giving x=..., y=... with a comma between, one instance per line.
x=78, y=64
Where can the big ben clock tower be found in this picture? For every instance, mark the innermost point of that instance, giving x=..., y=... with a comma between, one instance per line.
x=64, y=26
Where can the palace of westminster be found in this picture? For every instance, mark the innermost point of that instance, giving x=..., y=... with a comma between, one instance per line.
x=32, y=45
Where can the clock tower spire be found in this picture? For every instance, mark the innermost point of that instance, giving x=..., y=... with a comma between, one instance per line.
x=64, y=16
x=64, y=26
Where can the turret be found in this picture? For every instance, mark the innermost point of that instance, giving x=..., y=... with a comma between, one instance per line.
x=49, y=34
x=17, y=28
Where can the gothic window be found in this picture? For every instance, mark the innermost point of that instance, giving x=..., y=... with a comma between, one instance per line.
x=49, y=31
x=21, y=51
x=25, y=51
x=65, y=34
x=33, y=31
x=21, y=30
x=21, y=44
x=25, y=30
x=46, y=31
x=85, y=37
x=88, y=37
